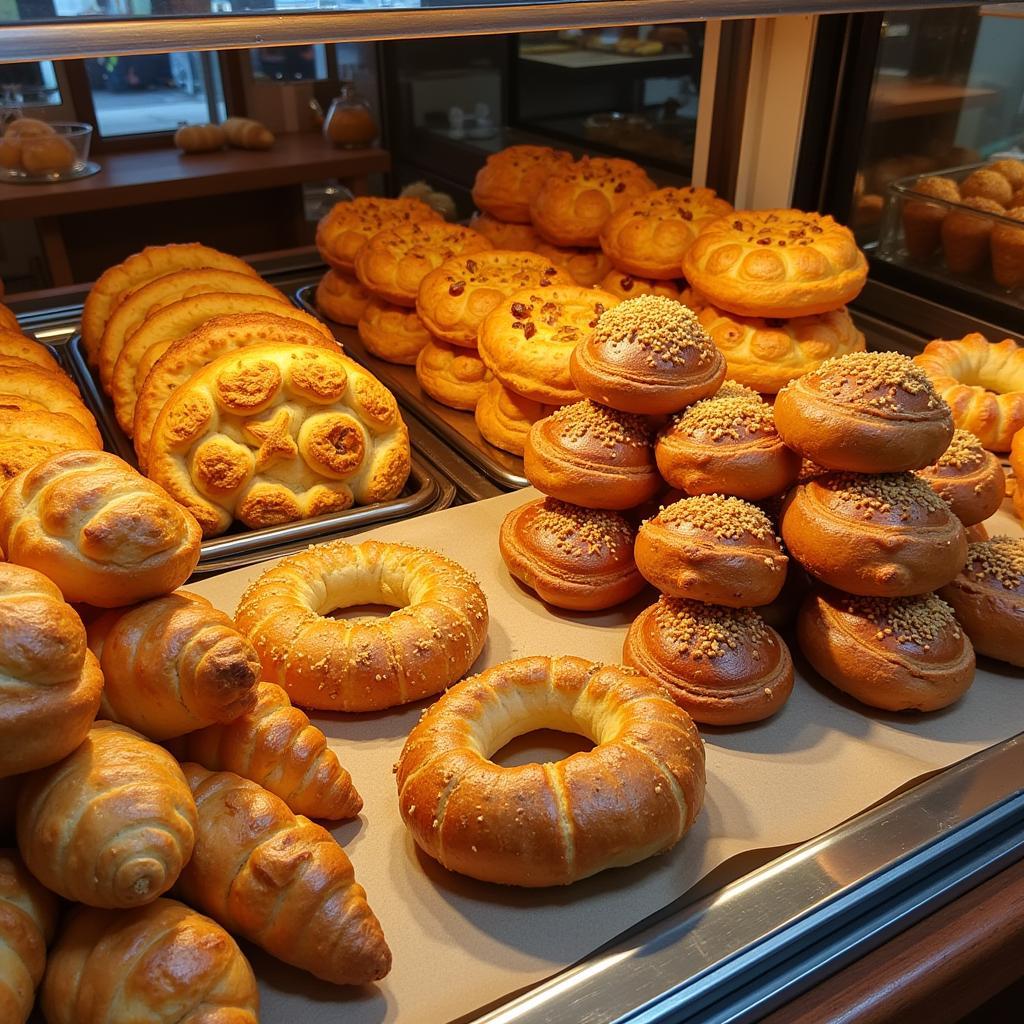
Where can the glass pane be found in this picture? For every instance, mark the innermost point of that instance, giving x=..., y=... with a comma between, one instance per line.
x=32, y=84
x=289, y=63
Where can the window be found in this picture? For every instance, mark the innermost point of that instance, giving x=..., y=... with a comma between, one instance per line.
x=32, y=84
x=289, y=63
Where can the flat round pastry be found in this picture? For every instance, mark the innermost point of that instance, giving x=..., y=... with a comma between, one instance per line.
x=983, y=382
x=777, y=263
x=15, y=345
x=626, y=286
x=54, y=391
x=647, y=355
x=574, y=203
x=635, y=794
x=394, y=261
x=393, y=333
x=878, y=536
x=29, y=436
x=588, y=455
x=504, y=418
x=341, y=298
x=528, y=339
x=273, y=433
x=364, y=663
x=988, y=598
x=722, y=666
x=899, y=654
x=347, y=226
x=766, y=354
x=504, y=235
x=453, y=300
x=727, y=444
x=715, y=549
x=969, y=478
x=9, y=319
x=585, y=266
x=451, y=375
x=649, y=236
x=572, y=557
x=866, y=412
x=137, y=270
x=507, y=183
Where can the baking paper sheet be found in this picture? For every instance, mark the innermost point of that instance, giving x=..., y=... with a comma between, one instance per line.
x=459, y=944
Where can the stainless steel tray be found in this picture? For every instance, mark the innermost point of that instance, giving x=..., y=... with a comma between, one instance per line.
x=458, y=428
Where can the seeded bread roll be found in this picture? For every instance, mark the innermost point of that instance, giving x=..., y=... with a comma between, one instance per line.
x=969, y=478
x=348, y=226
x=508, y=181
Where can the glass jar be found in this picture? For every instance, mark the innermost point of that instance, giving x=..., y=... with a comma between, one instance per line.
x=350, y=123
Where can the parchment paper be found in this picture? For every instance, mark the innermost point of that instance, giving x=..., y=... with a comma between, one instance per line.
x=460, y=944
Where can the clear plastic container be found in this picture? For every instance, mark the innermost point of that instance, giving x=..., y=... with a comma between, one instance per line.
x=41, y=151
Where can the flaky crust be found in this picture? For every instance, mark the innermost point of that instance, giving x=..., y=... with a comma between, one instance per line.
x=635, y=794
x=15, y=345
x=585, y=266
x=504, y=418
x=393, y=333
x=505, y=235
x=364, y=664
x=973, y=487
x=341, y=298
x=451, y=375
x=29, y=436
x=777, y=263
x=347, y=226
x=507, y=183
x=53, y=391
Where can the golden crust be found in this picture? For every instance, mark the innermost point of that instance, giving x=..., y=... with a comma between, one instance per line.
x=626, y=286
x=504, y=235
x=341, y=298
x=346, y=227
x=504, y=418
x=15, y=345
x=507, y=183
x=29, y=436
x=586, y=267
x=393, y=333
x=53, y=391
x=453, y=376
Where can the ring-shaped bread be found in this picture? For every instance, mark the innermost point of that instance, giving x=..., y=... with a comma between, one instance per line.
x=365, y=663
x=635, y=794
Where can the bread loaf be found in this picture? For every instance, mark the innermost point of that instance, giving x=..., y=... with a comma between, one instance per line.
x=199, y=138
x=245, y=133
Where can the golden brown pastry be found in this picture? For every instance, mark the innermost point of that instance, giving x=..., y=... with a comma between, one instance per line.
x=1017, y=467
x=15, y=345
x=986, y=183
x=30, y=436
x=504, y=235
x=504, y=418
x=200, y=138
x=112, y=824
x=104, y=534
x=969, y=478
x=722, y=666
x=898, y=654
x=50, y=682
x=393, y=333
x=280, y=881
x=586, y=267
x=47, y=154
x=576, y=558
x=626, y=286
x=511, y=178
x=1011, y=170
x=161, y=962
x=247, y=133
x=713, y=549
x=648, y=355
x=341, y=298
x=776, y=263
x=8, y=319
x=922, y=221
x=966, y=237
x=588, y=455
x=1008, y=251
x=54, y=392
x=451, y=375
x=364, y=664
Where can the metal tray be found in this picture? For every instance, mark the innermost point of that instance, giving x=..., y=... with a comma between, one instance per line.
x=458, y=428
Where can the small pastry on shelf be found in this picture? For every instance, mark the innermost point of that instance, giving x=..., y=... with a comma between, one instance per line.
x=987, y=183
x=587, y=266
x=968, y=477
x=341, y=298
x=504, y=418
x=200, y=138
x=247, y=133
x=451, y=375
x=967, y=236
x=1008, y=250
x=393, y=333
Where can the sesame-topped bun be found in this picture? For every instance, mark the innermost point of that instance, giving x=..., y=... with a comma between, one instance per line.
x=592, y=456
x=627, y=286
x=968, y=477
x=715, y=549
x=866, y=412
x=647, y=355
x=727, y=444
x=988, y=598
x=724, y=666
x=510, y=178
x=576, y=558
x=879, y=536
x=586, y=267
x=899, y=654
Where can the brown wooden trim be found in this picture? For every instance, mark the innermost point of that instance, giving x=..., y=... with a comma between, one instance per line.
x=80, y=94
x=732, y=79
x=55, y=251
x=232, y=79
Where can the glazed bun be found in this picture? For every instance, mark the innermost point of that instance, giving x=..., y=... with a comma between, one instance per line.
x=969, y=478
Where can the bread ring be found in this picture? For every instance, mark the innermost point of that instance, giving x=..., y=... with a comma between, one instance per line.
x=634, y=795
x=364, y=664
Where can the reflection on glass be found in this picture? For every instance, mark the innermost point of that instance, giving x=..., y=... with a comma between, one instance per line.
x=32, y=84
x=289, y=63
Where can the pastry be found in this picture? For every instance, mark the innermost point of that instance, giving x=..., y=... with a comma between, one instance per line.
x=393, y=333
x=112, y=824
x=922, y=222
x=200, y=138
x=280, y=881
x=713, y=549
x=453, y=300
x=504, y=418
x=8, y=319
x=866, y=412
x=574, y=202
x=104, y=534
x=586, y=267
x=1011, y=170
x=452, y=375
x=969, y=478
x=727, y=444
x=766, y=354
x=878, y=536
x=776, y=263
x=364, y=664
x=51, y=684
x=966, y=237
x=15, y=345
x=1017, y=466
x=986, y=183
x=649, y=235
x=394, y=261
x=588, y=455
x=341, y=298
x=575, y=558
x=635, y=794
x=648, y=355
x=504, y=235
x=988, y=598
x=274, y=433
x=511, y=178
x=722, y=666
x=160, y=962
x=247, y=133
x=527, y=340
x=983, y=383
x=47, y=154
x=626, y=286
x=1007, y=244
x=54, y=392
x=29, y=436
x=900, y=654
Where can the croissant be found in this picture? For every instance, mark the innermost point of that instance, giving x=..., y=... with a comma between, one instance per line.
x=280, y=881
x=28, y=916
x=50, y=682
x=276, y=746
x=199, y=138
x=159, y=963
x=172, y=665
x=246, y=133
x=112, y=824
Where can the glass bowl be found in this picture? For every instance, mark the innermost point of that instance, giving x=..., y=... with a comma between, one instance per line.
x=39, y=151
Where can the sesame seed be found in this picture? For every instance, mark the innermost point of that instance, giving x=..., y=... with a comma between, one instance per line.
x=907, y=620
x=733, y=412
x=964, y=450
x=583, y=531
x=609, y=426
x=1000, y=557
x=727, y=518
x=668, y=330
x=706, y=630
x=884, y=493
